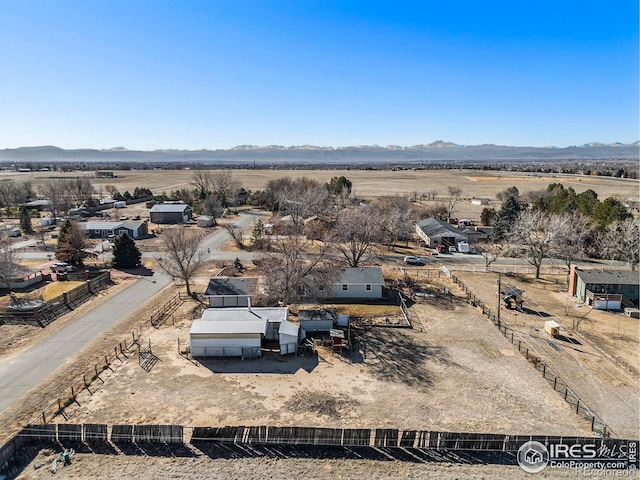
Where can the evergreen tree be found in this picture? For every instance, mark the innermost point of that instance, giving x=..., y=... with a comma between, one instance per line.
x=507, y=215
x=64, y=229
x=25, y=221
x=125, y=252
x=73, y=246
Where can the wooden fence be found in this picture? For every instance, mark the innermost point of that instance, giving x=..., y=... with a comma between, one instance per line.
x=159, y=316
x=53, y=309
x=71, y=435
x=274, y=435
x=597, y=424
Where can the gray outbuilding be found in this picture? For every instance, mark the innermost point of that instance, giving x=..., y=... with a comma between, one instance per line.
x=169, y=213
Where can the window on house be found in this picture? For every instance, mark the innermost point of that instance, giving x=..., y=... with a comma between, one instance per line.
x=345, y=287
x=367, y=287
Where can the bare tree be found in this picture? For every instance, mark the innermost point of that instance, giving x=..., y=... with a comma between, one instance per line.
x=293, y=273
x=356, y=233
x=573, y=228
x=78, y=190
x=235, y=232
x=9, y=266
x=621, y=241
x=58, y=202
x=211, y=206
x=396, y=215
x=304, y=198
x=202, y=180
x=181, y=255
x=112, y=190
x=223, y=185
x=453, y=198
x=490, y=252
x=535, y=232
x=7, y=192
x=432, y=194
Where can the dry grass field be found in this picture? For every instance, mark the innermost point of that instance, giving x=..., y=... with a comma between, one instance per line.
x=366, y=183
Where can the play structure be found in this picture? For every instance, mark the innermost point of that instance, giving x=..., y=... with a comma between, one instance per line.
x=512, y=298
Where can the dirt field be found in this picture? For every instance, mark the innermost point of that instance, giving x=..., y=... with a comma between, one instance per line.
x=397, y=378
x=588, y=359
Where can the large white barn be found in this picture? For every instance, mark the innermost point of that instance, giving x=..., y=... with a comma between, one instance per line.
x=235, y=332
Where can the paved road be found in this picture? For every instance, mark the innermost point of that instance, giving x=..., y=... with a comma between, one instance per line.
x=18, y=374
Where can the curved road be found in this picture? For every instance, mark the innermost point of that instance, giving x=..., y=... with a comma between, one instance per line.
x=19, y=373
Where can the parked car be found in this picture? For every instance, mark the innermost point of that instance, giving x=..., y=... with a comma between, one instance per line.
x=135, y=217
x=62, y=267
x=411, y=260
x=452, y=249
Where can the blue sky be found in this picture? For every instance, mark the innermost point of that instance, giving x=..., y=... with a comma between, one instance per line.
x=216, y=74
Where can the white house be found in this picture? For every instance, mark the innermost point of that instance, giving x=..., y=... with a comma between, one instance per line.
x=359, y=282
x=233, y=332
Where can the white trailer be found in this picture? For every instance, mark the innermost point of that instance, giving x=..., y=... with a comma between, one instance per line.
x=463, y=247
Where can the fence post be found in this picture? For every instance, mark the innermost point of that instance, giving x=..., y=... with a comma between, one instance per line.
x=519, y=344
x=96, y=369
x=106, y=361
x=44, y=418
x=84, y=379
x=593, y=422
x=555, y=381
x=73, y=393
x=59, y=406
x=578, y=405
x=566, y=391
x=544, y=370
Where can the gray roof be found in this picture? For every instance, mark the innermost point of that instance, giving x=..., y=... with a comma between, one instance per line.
x=432, y=227
x=101, y=225
x=609, y=277
x=169, y=207
x=288, y=328
x=237, y=320
x=231, y=286
x=361, y=276
x=132, y=225
x=38, y=203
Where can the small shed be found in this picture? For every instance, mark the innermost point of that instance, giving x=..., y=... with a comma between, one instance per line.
x=289, y=335
x=319, y=320
x=205, y=221
x=552, y=328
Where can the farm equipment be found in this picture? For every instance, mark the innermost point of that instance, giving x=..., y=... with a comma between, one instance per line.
x=512, y=298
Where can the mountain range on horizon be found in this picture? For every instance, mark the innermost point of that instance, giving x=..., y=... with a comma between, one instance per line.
x=432, y=152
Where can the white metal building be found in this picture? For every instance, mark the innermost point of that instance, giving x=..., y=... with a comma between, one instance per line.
x=233, y=332
x=289, y=334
